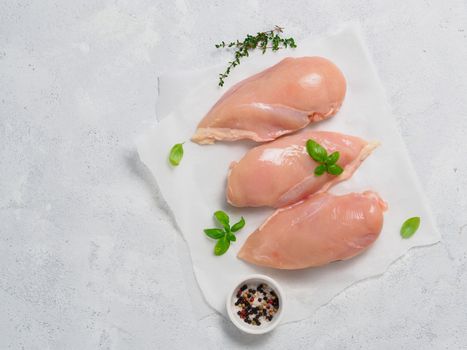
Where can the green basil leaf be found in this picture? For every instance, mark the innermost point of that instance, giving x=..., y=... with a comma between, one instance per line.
x=335, y=169
x=176, y=154
x=222, y=246
x=316, y=151
x=239, y=225
x=320, y=170
x=333, y=158
x=223, y=219
x=410, y=226
x=231, y=237
x=215, y=233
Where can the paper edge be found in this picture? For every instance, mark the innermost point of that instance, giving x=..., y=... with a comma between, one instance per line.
x=356, y=29
x=377, y=276
x=413, y=173
x=181, y=240
x=213, y=310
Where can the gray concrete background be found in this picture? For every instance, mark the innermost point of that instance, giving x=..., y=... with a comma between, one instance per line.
x=88, y=252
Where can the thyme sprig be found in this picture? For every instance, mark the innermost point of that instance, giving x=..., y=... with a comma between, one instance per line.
x=263, y=40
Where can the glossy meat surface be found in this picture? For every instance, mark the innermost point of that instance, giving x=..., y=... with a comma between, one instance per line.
x=281, y=172
x=277, y=101
x=317, y=231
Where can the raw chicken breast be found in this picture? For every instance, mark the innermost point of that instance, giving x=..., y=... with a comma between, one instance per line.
x=317, y=231
x=279, y=100
x=281, y=172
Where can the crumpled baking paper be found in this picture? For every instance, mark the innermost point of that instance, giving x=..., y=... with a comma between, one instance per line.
x=196, y=188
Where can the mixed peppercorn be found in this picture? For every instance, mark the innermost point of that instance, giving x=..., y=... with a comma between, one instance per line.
x=256, y=305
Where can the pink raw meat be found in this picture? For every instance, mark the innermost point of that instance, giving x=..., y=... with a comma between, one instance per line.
x=277, y=101
x=316, y=231
x=281, y=172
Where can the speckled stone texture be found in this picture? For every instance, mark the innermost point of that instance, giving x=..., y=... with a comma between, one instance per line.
x=88, y=251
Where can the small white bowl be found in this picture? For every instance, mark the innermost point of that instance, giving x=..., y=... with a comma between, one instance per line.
x=265, y=327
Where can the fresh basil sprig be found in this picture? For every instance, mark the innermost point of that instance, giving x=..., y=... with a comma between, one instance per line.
x=320, y=155
x=224, y=235
x=176, y=154
x=410, y=226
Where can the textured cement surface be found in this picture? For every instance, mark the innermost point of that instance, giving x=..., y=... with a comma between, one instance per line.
x=88, y=251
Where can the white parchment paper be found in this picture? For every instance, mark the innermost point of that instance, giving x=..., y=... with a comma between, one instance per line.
x=195, y=189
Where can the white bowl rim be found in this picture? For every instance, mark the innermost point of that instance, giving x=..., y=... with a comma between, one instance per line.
x=236, y=320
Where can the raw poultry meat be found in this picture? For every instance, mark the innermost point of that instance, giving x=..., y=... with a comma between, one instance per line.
x=316, y=231
x=281, y=172
x=277, y=101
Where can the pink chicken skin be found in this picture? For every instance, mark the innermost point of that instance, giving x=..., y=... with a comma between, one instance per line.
x=281, y=172
x=277, y=101
x=319, y=230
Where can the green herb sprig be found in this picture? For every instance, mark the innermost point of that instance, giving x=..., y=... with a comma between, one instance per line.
x=327, y=163
x=224, y=235
x=176, y=154
x=263, y=40
x=410, y=226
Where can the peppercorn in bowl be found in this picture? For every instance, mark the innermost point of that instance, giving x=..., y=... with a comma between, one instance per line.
x=256, y=304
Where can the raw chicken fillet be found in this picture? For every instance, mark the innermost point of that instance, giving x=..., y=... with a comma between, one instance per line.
x=281, y=172
x=277, y=101
x=316, y=231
